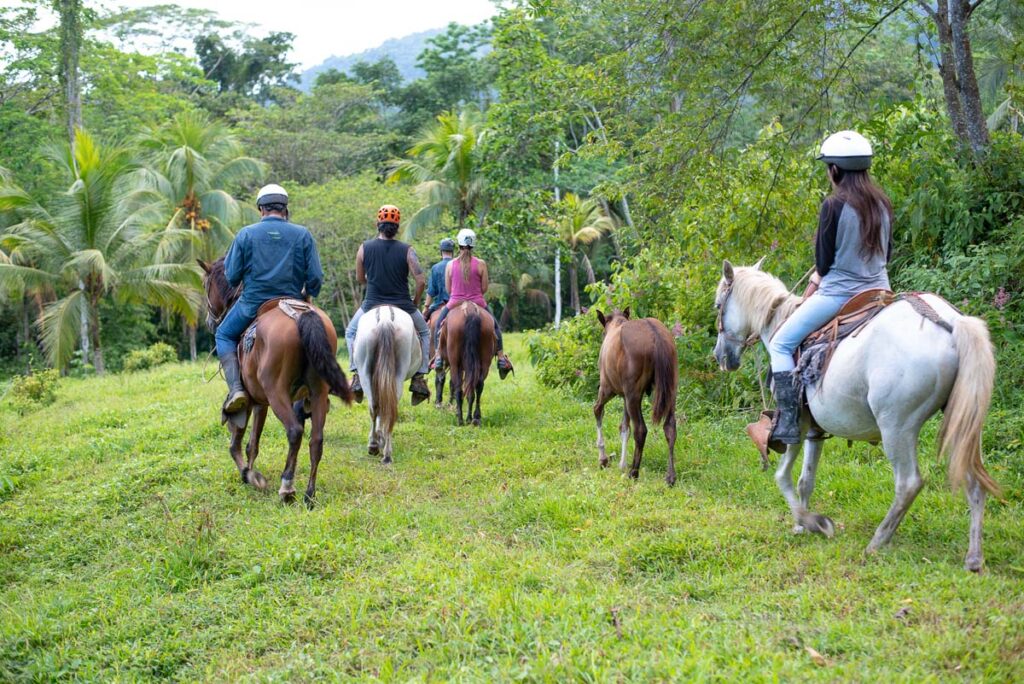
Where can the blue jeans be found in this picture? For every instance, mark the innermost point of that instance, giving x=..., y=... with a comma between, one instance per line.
x=422, y=331
x=816, y=311
x=231, y=329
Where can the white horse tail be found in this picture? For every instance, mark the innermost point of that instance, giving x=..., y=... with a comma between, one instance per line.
x=968, y=403
x=383, y=369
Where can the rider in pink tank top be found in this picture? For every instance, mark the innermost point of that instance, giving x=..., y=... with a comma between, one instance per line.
x=466, y=290
x=469, y=289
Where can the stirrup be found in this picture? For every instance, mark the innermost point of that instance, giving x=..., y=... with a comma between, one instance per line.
x=235, y=402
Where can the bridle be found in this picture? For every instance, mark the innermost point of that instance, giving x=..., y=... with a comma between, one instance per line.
x=228, y=302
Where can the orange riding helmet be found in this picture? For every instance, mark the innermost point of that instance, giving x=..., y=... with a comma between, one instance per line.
x=389, y=214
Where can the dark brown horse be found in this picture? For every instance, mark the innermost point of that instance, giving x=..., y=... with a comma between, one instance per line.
x=638, y=358
x=290, y=369
x=467, y=346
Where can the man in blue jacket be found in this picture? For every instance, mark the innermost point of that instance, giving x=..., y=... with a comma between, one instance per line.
x=437, y=293
x=272, y=258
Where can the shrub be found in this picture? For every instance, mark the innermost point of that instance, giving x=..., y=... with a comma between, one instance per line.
x=35, y=390
x=156, y=355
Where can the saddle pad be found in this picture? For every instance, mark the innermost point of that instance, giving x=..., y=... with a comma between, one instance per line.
x=249, y=338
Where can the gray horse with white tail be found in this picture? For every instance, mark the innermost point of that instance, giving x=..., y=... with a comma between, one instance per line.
x=881, y=385
x=387, y=353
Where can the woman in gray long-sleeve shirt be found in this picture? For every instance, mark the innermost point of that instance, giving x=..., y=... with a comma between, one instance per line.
x=852, y=248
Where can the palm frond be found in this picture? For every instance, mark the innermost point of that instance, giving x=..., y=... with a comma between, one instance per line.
x=59, y=325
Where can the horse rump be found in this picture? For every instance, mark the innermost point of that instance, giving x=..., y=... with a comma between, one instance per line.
x=320, y=355
x=383, y=371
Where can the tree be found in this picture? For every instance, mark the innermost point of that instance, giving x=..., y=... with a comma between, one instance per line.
x=70, y=12
x=582, y=222
x=86, y=247
x=444, y=165
x=252, y=69
x=194, y=165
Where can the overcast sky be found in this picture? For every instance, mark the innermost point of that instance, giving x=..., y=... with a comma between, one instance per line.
x=323, y=28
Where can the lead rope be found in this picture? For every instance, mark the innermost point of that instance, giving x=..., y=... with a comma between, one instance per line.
x=206, y=364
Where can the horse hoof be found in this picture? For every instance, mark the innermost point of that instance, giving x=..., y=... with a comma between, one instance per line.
x=310, y=500
x=973, y=563
x=670, y=479
x=386, y=460
x=634, y=474
x=822, y=525
x=287, y=497
x=603, y=462
x=799, y=529
x=257, y=480
x=476, y=422
x=373, y=449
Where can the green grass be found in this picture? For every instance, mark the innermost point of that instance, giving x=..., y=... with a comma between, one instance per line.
x=129, y=550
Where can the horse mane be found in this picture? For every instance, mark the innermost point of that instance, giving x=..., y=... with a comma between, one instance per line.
x=761, y=299
x=219, y=280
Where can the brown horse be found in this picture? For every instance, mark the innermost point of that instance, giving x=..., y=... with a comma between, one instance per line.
x=291, y=369
x=467, y=345
x=638, y=357
x=440, y=375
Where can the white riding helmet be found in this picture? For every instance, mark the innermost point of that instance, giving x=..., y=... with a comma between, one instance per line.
x=466, y=238
x=849, y=150
x=271, y=194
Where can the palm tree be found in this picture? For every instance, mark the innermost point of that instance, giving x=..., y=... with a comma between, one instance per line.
x=86, y=246
x=582, y=223
x=444, y=164
x=192, y=165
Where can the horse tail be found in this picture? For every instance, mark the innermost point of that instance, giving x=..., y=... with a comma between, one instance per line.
x=471, y=352
x=666, y=377
x=320, y=355
x=964, y=415
x=383, y=369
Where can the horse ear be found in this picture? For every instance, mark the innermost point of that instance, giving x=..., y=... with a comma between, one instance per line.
x=625, y=312
x=600, y=317
x=727, y=271
x=757, y=266
x=203, y=265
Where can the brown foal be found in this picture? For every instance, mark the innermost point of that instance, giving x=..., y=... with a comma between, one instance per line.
x=637, y=358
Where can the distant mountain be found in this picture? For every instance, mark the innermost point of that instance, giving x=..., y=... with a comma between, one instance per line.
x=403, y=51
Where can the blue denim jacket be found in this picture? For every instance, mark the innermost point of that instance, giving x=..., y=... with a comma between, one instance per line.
x=273, y=258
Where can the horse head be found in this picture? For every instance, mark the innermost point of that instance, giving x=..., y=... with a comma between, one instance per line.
x=220, y=296
x=613, y=320
x=747, y=300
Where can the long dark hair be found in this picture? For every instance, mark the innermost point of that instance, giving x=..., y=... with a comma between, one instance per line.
x=869, y=201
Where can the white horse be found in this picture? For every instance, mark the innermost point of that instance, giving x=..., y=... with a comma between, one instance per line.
x=881, y=385
x=387, y=353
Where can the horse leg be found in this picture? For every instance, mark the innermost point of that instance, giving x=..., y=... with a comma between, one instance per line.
x=976, y=499
x=235, y=449
x=603, y=395
x=293, y=429
x=321, y=404
x=457, y=385
x=479, y=394
x=373, y=442
x=635, y=407
x=623, y=435
x=784, y=480
x=439, y=378
x=252, y=449
x=670, y=437
x=901, y=448
x=808, y=472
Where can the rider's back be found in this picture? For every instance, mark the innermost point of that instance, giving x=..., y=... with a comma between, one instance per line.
x=274, y=258
x=387, y=274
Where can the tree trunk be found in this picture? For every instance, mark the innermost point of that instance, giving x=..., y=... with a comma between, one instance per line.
x=97, y=349
x=558, y=287
x=950, y=87
x=574, y=284
x=84, y=325
x=70, y=44
x=191, y=341
x=963, y=60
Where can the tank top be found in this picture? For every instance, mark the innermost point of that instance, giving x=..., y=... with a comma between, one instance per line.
x=463, y=290
x=387, y=274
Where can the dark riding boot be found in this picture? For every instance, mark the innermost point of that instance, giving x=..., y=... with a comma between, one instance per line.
x=356, y=387
x=419, y=389
x=786, y=389
x=237, y=398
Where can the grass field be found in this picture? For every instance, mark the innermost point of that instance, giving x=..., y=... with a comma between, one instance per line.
x=129, y=550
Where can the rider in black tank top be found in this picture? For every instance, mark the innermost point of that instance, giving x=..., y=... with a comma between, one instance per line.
x=387, y=274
